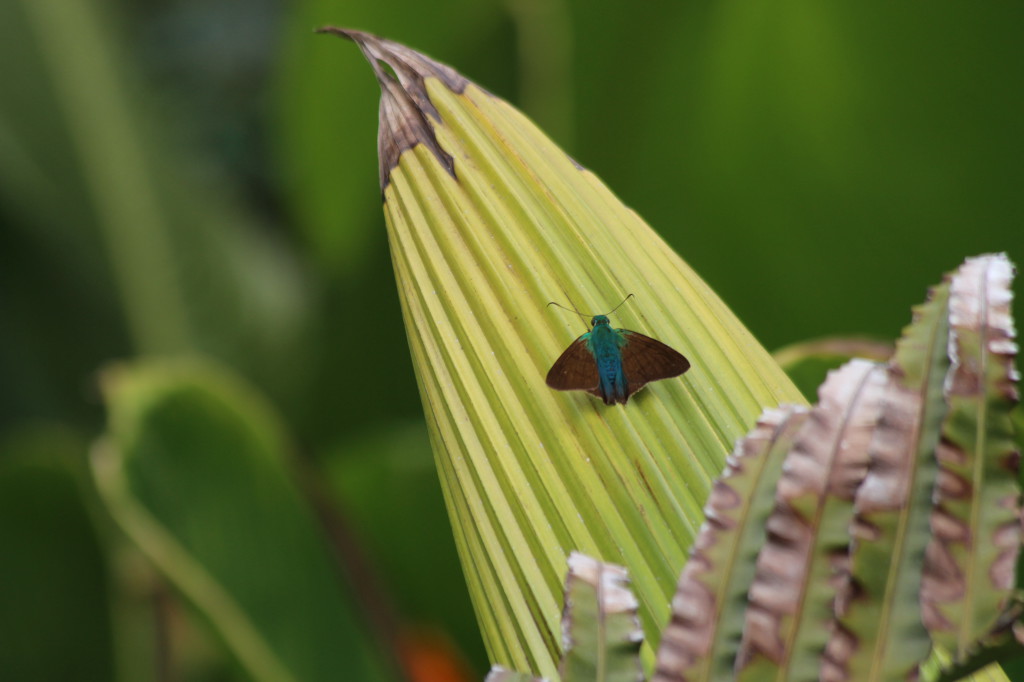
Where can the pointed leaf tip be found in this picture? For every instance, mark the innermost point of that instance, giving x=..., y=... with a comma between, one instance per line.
x=405, y=107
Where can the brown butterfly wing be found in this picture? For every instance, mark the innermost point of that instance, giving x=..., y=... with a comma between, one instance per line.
x=575, y=369
x=645, y=360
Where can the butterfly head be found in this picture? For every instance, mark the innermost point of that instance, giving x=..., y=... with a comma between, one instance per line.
x=599, y=320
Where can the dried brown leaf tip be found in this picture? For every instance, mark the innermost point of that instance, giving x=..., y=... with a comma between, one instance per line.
x=407, y=115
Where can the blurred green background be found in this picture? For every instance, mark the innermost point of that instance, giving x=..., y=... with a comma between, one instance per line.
x=198, y=177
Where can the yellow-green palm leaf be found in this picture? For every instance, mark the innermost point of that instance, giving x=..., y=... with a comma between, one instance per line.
x=488, y=221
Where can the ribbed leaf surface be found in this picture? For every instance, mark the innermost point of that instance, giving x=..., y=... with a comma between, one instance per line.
x=489, y=221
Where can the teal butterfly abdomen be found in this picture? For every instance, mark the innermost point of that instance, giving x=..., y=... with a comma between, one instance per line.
x=605, y=344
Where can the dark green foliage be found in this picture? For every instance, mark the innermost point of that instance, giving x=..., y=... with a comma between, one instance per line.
x=55, y=616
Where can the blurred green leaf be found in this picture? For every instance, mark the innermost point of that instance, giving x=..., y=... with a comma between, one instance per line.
x=185, y=265
x=367, y=476
x=55, y=619
x=792, y=149
x=194, y=470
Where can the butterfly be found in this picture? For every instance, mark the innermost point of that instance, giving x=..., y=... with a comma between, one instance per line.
x=613, y=364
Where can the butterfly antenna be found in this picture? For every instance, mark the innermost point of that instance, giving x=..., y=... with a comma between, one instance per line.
x=619, y=305
x=571, y=310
